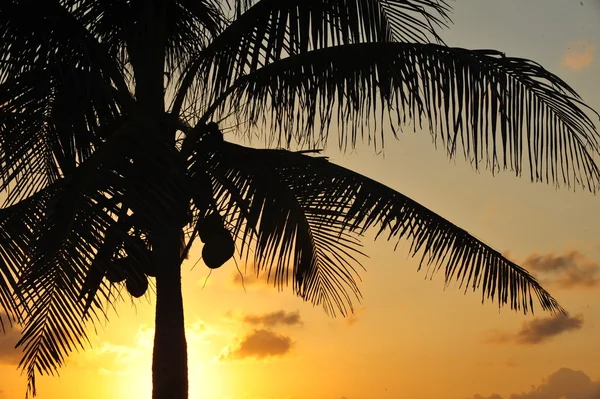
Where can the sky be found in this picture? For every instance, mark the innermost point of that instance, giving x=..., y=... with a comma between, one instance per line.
x=408, y=337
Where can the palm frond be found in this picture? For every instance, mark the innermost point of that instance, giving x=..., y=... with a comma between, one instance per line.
x=18, y=224
x=55, y=322
x=60, y=94
x=51, y=119
x=95, y=216
x=498, y=109
x=53, y=34
x=47, y=308
x=307, y=215
x=190, y=25
x=417, y=21
x=270, y=30
x=297, y=239
x=193, y=25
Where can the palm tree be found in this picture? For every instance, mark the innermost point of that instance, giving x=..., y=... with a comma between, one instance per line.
x=112, y=158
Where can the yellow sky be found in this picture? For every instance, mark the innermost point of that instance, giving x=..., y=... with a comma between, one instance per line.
x=409, y=338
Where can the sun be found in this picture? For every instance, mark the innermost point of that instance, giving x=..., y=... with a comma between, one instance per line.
x=204, y=382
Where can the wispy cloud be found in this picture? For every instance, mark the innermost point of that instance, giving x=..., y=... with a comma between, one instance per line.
x=272, y=319
x=537, y=331
x=563, y=384
x=249, y=280
x=355, y=316
x=569, y=270
x=258, y=344
x=578, y=55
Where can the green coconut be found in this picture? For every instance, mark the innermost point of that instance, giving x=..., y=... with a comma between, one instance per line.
x=218, y=249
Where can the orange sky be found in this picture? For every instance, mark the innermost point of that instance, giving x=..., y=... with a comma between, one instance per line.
x=409, y=338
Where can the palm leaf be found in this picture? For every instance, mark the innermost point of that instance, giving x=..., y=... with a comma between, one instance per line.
x=498, y=109
x=51, y=284
x=60, y=93
x=271, y=29
x=54, y=33
x=190, y=25
x=83, y=222
x=18, y=224
x=307, y=215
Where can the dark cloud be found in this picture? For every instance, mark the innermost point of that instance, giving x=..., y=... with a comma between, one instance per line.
x=259, y=344
x=539, y=330
x=570, y=270
x=551, y=262
x=563, y=384
x=279, y=317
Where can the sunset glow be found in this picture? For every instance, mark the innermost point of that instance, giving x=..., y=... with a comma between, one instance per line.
x=408, y=337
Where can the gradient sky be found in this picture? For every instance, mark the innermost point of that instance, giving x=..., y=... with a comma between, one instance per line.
x=409, y=337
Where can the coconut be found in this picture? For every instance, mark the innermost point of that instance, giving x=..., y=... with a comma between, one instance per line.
x=136, y=284
x=141, y=256
x=211, y=226
x=116, y=269
x=218, y=250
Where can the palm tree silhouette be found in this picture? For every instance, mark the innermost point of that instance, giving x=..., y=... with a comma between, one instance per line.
x=113, y=160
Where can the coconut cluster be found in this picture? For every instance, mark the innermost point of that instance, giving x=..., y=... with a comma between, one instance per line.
x=132, y=265
x=218, y=242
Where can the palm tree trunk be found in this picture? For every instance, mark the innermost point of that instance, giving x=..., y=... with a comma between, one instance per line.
x=169, y=360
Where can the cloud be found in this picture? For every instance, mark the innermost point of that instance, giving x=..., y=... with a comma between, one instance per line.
x=250, y=280
x=563, y=384
x=259, y=344
x=578, y=55
x=538, y=331
x=109, y=358
x=354, y=317
x=279, y=317
x=490, y=210
x=569, y=270
x=8, y=340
